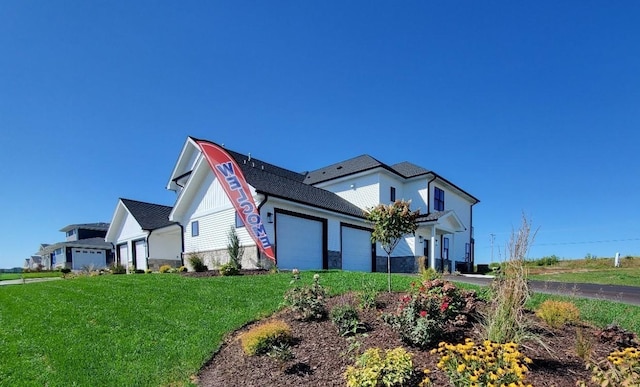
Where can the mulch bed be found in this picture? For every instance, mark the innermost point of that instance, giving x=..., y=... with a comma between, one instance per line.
x=321, y=356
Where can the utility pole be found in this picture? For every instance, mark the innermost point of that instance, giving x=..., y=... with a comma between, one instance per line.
x=493, y=236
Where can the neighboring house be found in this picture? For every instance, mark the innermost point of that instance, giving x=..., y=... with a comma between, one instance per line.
x=84, y=248
x=33, y=263
x=316, y=220
x=143, y=236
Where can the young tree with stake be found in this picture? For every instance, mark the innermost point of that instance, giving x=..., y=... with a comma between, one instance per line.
x=391, y=223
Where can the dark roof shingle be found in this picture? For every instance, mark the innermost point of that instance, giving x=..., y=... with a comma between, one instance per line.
x=150, y=216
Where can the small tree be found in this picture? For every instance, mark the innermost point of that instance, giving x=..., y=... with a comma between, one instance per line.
x=390, y=223
x=234, y=248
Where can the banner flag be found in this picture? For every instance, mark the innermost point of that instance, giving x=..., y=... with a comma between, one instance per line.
x=230, y=176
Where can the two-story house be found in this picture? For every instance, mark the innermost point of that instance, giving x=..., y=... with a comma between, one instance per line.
x=316, y=220
x=84, y=247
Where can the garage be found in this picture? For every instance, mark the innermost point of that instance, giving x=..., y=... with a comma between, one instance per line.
x=81, y=258
x=123, y=255
x=140, y=254
x=357, y=252
x=299, y=241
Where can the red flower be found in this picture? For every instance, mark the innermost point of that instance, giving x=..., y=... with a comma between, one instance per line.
x=423, y=313
x=444, y=306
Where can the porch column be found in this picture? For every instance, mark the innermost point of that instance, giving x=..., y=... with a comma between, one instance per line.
x=432, y=246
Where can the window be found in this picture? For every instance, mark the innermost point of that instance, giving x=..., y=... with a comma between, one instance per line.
x=71, y=232
x=195, y=228
x=392, y=194
x=438, y=199
x=445, y=248
x=239, y=222
x=467, y=252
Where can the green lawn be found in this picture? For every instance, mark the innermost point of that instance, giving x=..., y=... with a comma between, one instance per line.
x=155, y=329
x=617, y=276
x=42, y=274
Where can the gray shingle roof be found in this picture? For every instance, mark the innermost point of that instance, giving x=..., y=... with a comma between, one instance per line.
x=87, y=226
x=150, y=216
x=343, y=168
x=408, y=169
x=96, y=243
x=283, y=183
x=432, y=216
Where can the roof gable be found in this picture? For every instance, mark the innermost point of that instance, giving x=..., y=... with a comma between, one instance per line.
x=343, y=168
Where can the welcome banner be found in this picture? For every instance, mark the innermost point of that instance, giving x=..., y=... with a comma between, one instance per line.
x=230, y=176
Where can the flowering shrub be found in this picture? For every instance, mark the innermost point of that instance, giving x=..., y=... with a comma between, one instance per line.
x=229, y=269
x=265, y=337
x=165, y=268
x=557, y=313
x=488, y=364
x=421, y=316
x=371, y=369
x=307, y=302
x=621, y=368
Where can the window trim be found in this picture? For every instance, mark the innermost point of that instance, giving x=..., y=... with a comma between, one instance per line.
x=438, y=199
x=195, y=228
x=445, y=248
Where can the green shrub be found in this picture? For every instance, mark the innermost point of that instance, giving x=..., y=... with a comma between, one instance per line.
x=557, y=313
x=197, y=262
x=182, y=269
x=422, y=315
x=264, y=337
x=371, y=369
x=229, y=269
x=148, y=271
x=346, y=319
x=234, y=248
x=483, y=364
x=165, y=268
x=118, y=269
x=367, y=297
x=307, y=302
x=64, y=271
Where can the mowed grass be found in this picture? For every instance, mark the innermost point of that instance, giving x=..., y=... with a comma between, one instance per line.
x=159, y=329
x=142, y=330
x=596, y=271
x=42, y=274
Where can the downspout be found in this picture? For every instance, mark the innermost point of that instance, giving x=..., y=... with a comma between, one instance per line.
x=262, y=203
x=148, y=248
x=182, y=242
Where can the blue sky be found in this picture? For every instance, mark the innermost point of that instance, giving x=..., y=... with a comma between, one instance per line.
x=531, y=107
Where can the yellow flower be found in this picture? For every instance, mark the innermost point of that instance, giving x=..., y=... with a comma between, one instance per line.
x=461, y=367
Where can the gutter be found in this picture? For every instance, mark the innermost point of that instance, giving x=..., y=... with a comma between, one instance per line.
x=429, y=192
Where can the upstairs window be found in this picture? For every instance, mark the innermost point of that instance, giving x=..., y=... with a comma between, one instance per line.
x=71, y=232
x=392, y=194
x=438, y=199
x=195, y=228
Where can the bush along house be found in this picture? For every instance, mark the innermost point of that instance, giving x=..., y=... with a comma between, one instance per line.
x=315, y=220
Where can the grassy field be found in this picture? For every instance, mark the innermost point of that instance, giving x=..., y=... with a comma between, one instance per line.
x=597, y=271
x=151, y=330
x=42, y=274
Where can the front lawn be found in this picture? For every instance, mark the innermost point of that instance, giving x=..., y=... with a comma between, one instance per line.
x=151, y=329
x=41, y=274
x=156, y=329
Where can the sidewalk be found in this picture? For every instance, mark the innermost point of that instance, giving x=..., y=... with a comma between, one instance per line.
x=28, y=280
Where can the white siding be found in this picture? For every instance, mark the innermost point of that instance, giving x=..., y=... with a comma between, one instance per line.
x=417, y=192
x=462, y=208
x=363, y=191
x=386, y=182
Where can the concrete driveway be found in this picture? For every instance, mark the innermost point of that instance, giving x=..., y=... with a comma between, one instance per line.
x=618, y=293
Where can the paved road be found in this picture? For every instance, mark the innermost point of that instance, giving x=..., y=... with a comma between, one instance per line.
x=626, y=294
x=28, y=280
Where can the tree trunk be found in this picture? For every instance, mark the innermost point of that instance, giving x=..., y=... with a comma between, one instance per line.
x=389, y=271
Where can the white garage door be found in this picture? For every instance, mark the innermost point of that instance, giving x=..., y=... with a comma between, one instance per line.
x=141, y=254
x=82, y=259
x=124, y=255
x=299, y=243
x=356, y=249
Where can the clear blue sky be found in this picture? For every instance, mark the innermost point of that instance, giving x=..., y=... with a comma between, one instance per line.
x=529, y=106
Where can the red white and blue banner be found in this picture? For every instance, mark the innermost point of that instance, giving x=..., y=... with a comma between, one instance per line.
x=230, y=176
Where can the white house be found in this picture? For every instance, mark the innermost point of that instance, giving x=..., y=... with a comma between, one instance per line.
x=316, y=220
x=143, y=236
